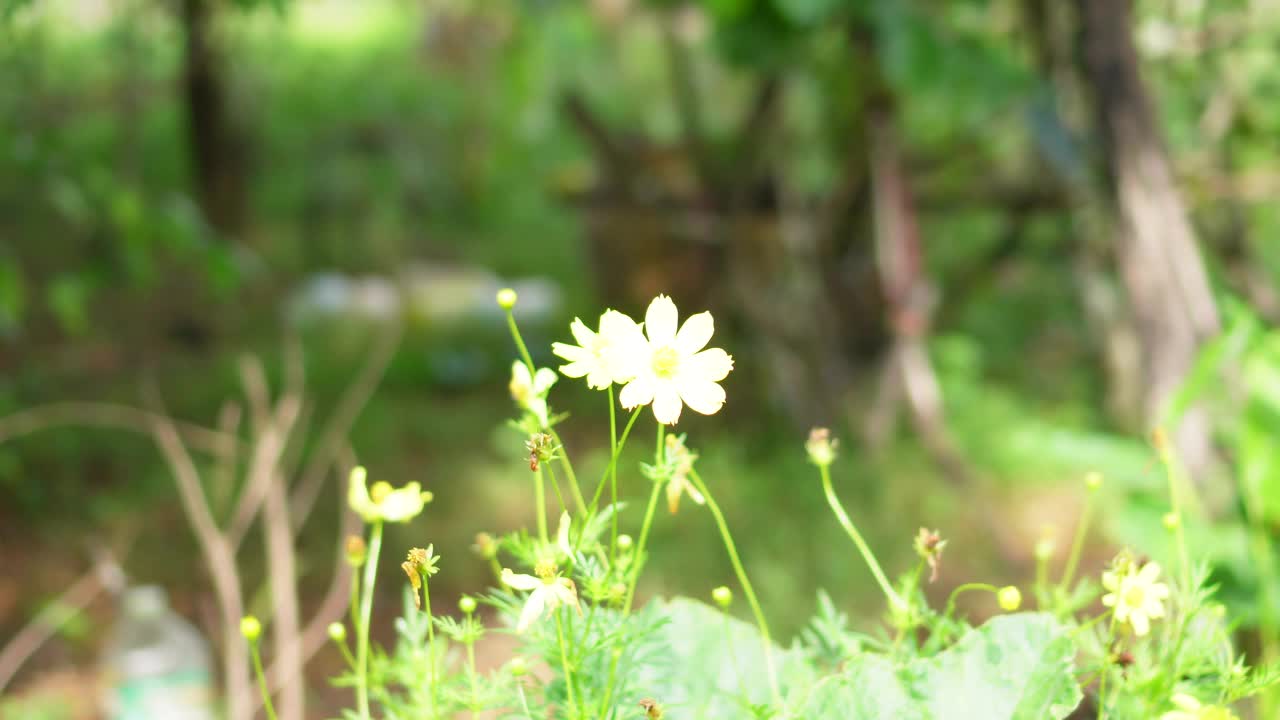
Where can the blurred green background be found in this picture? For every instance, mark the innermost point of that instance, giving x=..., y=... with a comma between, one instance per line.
x=968, y=235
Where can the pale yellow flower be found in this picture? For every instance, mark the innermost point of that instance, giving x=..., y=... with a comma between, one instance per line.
x=604, y=357
x=384, y=503
x=529, y=390
x=672, y=369
x=549, y=591
x=1135, y=595
x=1190, y=708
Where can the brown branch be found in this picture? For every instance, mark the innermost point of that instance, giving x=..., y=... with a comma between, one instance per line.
x=122, y=417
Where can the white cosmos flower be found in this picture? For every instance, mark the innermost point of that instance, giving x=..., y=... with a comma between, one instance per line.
x=672, y=369
x=549, y=591
x=604, y=357
x=1135, y=595
x=384, y=503
x=529, y=390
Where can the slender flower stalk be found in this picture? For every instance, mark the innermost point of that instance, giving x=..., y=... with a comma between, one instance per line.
x=366, y=612
x=648, y=522
x=967, y=587
x=432, y=678
x=468, y=607
x=564, y=662
x=612, y=470
x=895, y=601
x=262, y=680
x=578, y=500
x=1082, y=531
x=744, y=581
x=540, y=498
x=613, y=478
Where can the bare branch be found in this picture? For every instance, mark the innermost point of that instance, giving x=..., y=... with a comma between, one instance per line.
x=122, y=417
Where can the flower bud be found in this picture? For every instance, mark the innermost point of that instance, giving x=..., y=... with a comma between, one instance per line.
x=624, y=542
x=1045, y=546
x=486, y=546
x=821, y=448
x=337, y=632
x=1009, y=598
x=357, y=551
x=250, y=628
x=723, y=596
x=1093, y=481
x=1171, y=521
x=506, y=298
x=467, y=604
x=518, y=666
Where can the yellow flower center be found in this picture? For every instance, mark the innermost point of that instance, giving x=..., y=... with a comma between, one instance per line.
x=665, y=362
x=520, y=392
x=1134, y=596
x=379, y=491
x=545, y=570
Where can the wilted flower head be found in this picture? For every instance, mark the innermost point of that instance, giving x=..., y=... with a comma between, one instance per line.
x=420, y=565
x=671, y=367
x=383, y=503
x=1134, y=594
x=541, y=448
x=604, y=357
x=821, y=447
x=357, y=551
x=679, y=459
x=652, y=710
x=485, y=546
x=929, y=546
x=529, y=390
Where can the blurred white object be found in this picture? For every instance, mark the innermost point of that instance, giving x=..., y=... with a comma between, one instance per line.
x=156, y=665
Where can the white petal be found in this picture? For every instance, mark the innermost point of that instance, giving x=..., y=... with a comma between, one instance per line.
x=666, y=403
x=572, y=353
x=581, y=333
x=694, y=495
x=704, y=397
x=532, y=610
x=1109, y=599
x=519, y=582
x=713, y=365
x=543, y=380
x=614, y=325
x=562, y=535
x=637, y=392
x=1140, y=624
x=1149, y=573
x=599, y=378
x=520, y=375
x=660, y=321
x=577, y=369
x=695, y=333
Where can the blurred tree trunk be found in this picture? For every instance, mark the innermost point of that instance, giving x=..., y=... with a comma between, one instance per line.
x=1156, y=246
x=213, y=148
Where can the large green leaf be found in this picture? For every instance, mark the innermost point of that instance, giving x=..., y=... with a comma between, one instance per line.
x=1016, y=667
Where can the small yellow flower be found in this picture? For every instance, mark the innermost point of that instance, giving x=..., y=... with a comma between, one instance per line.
x=680, y=461
x=529, y=390
x=549, y=591
x=1009, y=598
x=604, y=357
x=1135, y=595
x=385, y=504
x=672, y=369
x=1189, y=708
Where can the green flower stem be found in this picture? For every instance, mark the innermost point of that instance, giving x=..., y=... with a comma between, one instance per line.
x=366, y=611
x=951, y=599
x=262, y=680
x=355, y=599
x=555, y=485
x=431, y=642
x=564, y=662
x=728, y=646
x=612, y=470
x=1174, y=476
x=515, y=335
x=1077, y=543
x=346, y=654
x=613, y=479
x=524, y=703
x=471, y=675
x=743, y=580
x=1106, y=669
x=578, y=500
x=895, y=600
x=540, y=500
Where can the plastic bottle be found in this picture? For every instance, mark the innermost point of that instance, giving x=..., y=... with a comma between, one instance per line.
x=157, y=666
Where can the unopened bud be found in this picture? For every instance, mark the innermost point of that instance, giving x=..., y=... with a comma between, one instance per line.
x=506, y=298
x=723, y=596
x=1009, y=598
x=357, y=551
x=1171, y=521
x=486, y=546
x=821, y=448
x=1093, y=481
x=250, y=628
x=467, y=604
x=337, y=632
x=518, y=666
x=624, y=542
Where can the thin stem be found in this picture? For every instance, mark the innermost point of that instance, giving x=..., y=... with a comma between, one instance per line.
x=515, y=335
x=366, y=611
x=951, y=599
x=895, y=601
x=555, y=485
x=613, y=479
x=743, y=580
x=612, y=470
x=524, y=704
x=431, y=642
x=471, y=674
x=262, y=680
x=1173, y=476
x=346, y=654
x=728, y=646
x=564, y=662
x=1077, y=543
x=1106, y=669
x=540, y=500
x=578, y=501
